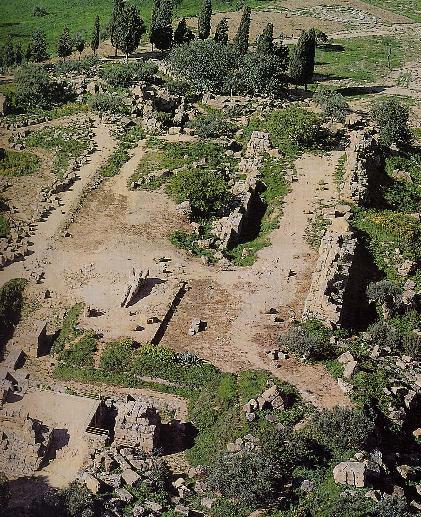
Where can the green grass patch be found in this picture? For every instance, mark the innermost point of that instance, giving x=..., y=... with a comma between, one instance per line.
x=18, y=163
x=363, y=59
x=64, y=142
x=391, y=237
x=121, y=155
x=409, y=8
x=340, y=169
x=404, y=194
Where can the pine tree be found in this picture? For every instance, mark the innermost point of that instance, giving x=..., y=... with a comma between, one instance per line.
x=9, y=52
x=265, y=41
x=95, y=36
x=18, y=54
x=221, y=32
x=129, y=29
x=37, y=47
x=114, y=22
x=65, y=44
x=241, y=39
x=161, y=29
x=79, y=43
x=301, y=67
x=204, y=20
x=183, y=33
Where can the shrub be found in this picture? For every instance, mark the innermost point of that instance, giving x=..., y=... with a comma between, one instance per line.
x=386, y=293
x=34, y=88
x=412, y=345
x=117, y=356
x=206, y=190
x=79, y=65
x=123, y=75
x=309, y=339
x=342, y=429
x=404, y=193
x=260, y=74
x=211, y=125
x=4, y=226
x=385, y=334
x=333, y=104
x=11, y=301
x=18, y=163
x=107, y=102
x=391, y=118
x=291, y=129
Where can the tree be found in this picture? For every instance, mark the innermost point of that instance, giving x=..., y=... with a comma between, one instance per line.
x=9, y=52
x=115, y=21
x=241, y=39
x=129, y=30
x=221, y=32
x=265, y=41
x=37, y=47
x=18, y=54
x=161, y=28
x=79, y=43
x=302, y=58
x=206, y=190
x=207, y=65
x=204, y=20
x=183, y=34
x=65, y=44
x=260, y=73
x=33, y=87
x=391, y=118
x=95, y=36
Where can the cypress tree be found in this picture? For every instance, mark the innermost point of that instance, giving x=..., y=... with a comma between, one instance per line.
x=161, y=28
x=221, y=32
x=95, y=36
x=129, y=29
x=114, y=22
x=301, y=67
x=64, y=44
x=265, y=41
x=9, y=52
x=154, y=20
x=79, y=43
x=37, y=47
x=204, y=20
x=241, y=39
x=182, y=33
x=18, y=54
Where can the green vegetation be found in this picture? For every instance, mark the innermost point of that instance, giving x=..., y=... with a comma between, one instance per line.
x=391, y=237
x=18, y=163
x=409, y=8
x=277, y=187
x=11, y=300
x=64, y=142
x=340, y=169
x=123, y=75
x=212, y=125
x=315, y=230
x=392, y=119
x=308, y=339
x=4, y=226
x=292, y=130
x=301, y=66
x=333, y=104
x=121, y=155
x=404, y=194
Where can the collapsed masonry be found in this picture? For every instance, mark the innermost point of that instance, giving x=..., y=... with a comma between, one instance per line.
x=325, y=299
x=228, y=230
x=138, y=281
x=364, y=164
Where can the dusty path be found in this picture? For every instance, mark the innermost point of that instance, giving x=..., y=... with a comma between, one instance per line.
x=46, y=231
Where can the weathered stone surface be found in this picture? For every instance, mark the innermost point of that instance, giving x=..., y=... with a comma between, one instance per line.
x=351, y=473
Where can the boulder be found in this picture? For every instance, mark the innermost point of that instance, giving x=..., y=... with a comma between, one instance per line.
x=352, y=473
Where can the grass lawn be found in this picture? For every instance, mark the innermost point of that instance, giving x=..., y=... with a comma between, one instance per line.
x=78, y=15
x=409, y=8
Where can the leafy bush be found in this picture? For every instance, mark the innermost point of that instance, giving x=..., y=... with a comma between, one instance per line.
x=404, y=194
x=80, y=65
x=342, y=429
x=385, y=292
x=206, y=190
x=211, y=125
x=392, y=118
x=260, y=74
x=117, y=356
x=412, y=345
x=4, y=226
x=34, y=89
x=333, y=104
x=123, y=75
x=18, y=163
x=291, y=129
x=107, y=103
x=309, y=339
x=385, y=334
x=11, y=301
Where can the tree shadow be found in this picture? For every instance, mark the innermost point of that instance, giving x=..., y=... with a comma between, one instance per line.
x=331, y=47
x=177, y=436
x=349, y=91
